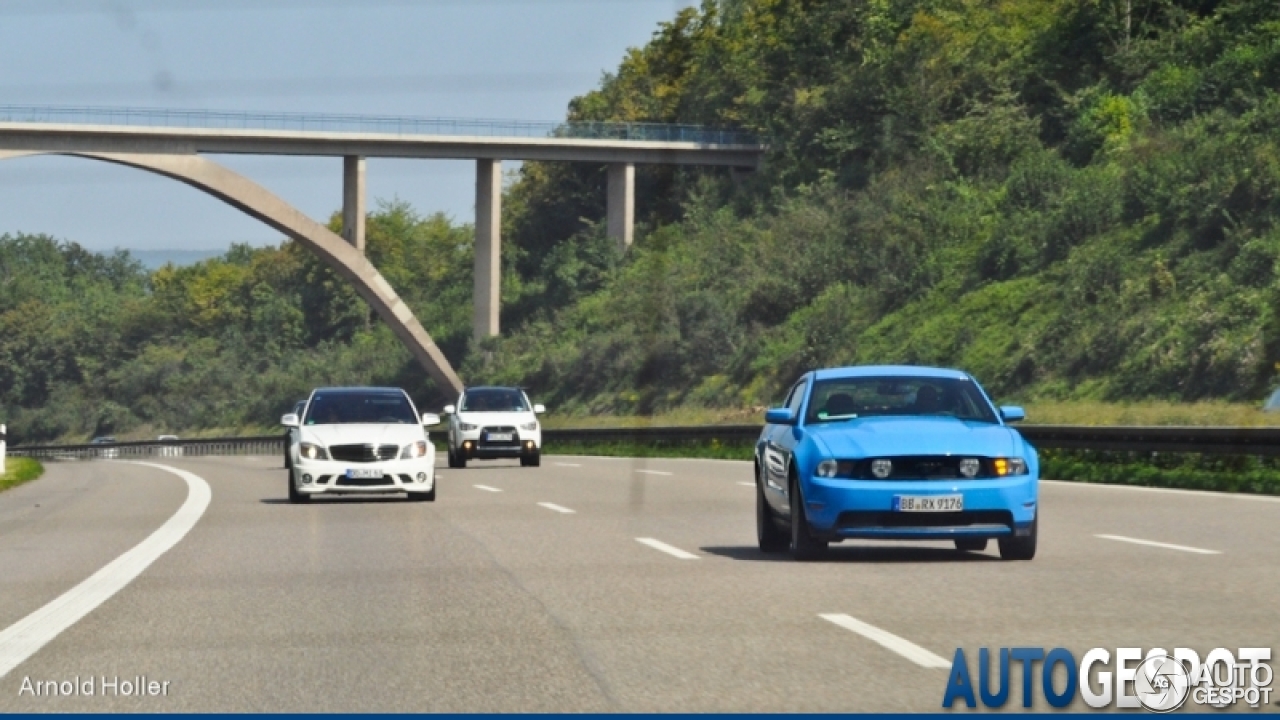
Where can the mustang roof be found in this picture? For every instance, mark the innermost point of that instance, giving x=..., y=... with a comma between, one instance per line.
x=889, y=371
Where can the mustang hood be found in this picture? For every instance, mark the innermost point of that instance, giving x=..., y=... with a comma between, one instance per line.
x=889, y=436
x=355, y=434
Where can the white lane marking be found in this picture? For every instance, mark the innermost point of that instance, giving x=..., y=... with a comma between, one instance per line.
x=24, y=638
x=905, y=648
x=1152, y=543
x=1170, y=491
x=569, y=464
x=748, y=484
x=668, y=549
x=557, y=508
x=653, y=472
x=487, y=488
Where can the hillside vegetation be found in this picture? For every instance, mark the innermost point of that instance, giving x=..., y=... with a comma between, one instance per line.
x=1075, y=200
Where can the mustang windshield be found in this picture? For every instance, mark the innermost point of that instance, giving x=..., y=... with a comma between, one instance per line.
x=358, y=407
x=860, y=397
x=494, y=400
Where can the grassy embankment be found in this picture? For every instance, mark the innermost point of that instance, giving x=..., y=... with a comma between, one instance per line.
x=19, y=470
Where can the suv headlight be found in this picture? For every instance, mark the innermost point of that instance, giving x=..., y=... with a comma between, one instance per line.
x=467, y=427
x=530, y=425
x=414, y=450
x=1009, y=466
x=311, y=451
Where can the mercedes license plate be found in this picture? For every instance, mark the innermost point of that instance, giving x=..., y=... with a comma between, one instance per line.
x=498, y=437
x=928, y=503
x=364, y=473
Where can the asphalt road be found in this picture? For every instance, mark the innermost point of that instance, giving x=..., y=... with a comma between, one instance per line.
x=526, y=589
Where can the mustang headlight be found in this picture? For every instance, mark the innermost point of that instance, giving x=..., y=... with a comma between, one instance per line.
x=1009, y=466
x=311, y=451
x=834, y=468
x=969, y=467
x=530, y=425
x=467, y=427
x=882, y=468
x=414, y=450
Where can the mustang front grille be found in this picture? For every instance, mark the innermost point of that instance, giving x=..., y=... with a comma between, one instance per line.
x=925, y=467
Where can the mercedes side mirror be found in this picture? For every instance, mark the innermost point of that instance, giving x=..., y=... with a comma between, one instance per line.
x=289, y=420
x=779, y=416
x=430, y=419
x=539, y=409
x=450, y=409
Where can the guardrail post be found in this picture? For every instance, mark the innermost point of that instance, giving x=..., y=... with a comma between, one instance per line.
x=3, y=432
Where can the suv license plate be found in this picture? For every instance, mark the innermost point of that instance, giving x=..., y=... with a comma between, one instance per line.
x=364, y=474
x=498, y=437
x=928, y=503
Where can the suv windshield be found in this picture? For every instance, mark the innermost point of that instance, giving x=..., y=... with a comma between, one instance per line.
x=494, y=400
x=848, y=398
x=360, y=407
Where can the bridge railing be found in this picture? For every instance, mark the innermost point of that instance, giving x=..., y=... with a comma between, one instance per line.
x=1208, y=440
x=381, y=124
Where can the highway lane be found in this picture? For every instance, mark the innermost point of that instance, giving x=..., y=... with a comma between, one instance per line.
x=495, y=598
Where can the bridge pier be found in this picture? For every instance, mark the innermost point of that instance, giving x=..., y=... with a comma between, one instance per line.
x=353, y=211
x=621, y=203
x=488, y=261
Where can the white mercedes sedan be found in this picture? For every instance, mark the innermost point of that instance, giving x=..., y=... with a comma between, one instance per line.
x=361, y=440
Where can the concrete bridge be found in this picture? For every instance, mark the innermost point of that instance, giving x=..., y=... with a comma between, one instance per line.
x=170, y=143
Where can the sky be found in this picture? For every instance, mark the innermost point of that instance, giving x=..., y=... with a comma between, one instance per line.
x=484, y=59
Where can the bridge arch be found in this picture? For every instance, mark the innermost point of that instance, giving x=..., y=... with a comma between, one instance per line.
x=256, y=201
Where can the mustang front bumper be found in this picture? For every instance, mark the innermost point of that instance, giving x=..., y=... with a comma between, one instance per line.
x=992, y=507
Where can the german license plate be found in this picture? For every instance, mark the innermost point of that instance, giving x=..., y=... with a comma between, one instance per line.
x=364, y=473
x=499, y=437
x=928, y=503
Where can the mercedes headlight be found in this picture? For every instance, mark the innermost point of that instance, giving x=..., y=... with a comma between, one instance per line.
x=530, y=425
x=414, y=450
x=467, y=427
x=311, y=451
x=1009, y=466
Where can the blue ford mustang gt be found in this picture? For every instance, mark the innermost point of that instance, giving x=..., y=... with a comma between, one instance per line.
x=894, y=453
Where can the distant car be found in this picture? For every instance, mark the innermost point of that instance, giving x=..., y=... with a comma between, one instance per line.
x=170, y=448
x=361, y=440
x=494, y=422
x=291, y=436
x=894, y=453
x=109, y=453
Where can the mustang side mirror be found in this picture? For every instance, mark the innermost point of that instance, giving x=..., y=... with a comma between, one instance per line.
x=779, y=416
x=430, y=419
x=539, y=409
x=1011, y=413
x=289, y=420
x=449, y=409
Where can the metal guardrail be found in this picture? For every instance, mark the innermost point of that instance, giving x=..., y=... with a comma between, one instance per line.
x=1208, y=440
x=250, y=445
x=384, y=124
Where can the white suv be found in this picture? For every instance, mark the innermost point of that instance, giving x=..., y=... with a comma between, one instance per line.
x=494, y=422
x=361, y=440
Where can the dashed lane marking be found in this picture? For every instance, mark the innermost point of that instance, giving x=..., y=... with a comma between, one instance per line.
x=888, y=640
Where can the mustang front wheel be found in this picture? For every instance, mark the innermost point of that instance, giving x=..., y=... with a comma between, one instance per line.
x=1020, y=548
x=803, y=544
x=771, y=537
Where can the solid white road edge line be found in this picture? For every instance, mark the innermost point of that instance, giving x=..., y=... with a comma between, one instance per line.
x=557, y=508
x=905, y=648
x=653, y=472
x=1152, y=543
x=486, y=487
x=668, y=549
x=1168, y=491
x=24, y=638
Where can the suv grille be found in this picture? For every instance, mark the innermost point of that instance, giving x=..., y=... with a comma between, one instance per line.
x=364, y=453
x=484, y=435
